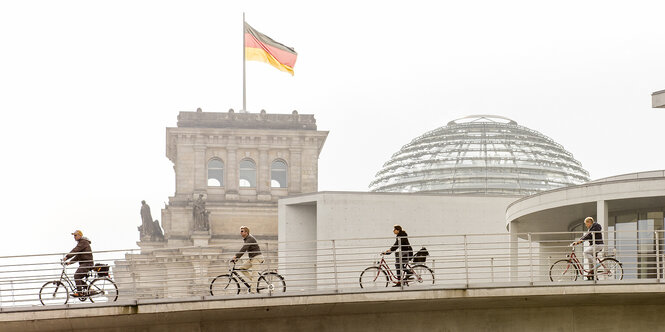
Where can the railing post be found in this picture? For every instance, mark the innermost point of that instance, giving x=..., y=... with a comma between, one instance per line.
x=334, y=252
x=269, y=270
x=594, y=269
x=530, y=259
x=200, y=263
x=466, y=262
x=13, y=297
x=492, y=268
x=657, y=256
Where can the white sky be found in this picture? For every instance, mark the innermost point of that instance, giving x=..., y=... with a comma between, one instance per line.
x=87, y=89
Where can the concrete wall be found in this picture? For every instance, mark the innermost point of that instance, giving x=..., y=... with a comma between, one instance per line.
x=361, y=225
x=343, y=215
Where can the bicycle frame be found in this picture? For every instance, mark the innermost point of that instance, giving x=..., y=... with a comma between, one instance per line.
x=235, y=274
x=64, y=278
x=393, y=278
x=265, y=275
x=580, y=266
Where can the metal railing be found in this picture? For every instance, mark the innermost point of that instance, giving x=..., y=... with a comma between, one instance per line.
x=335, y=266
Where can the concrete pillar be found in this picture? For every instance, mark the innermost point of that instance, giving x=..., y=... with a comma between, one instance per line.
x=514, y=259
x=602, y=217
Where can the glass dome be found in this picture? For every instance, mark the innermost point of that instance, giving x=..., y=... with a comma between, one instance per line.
x=480, y=154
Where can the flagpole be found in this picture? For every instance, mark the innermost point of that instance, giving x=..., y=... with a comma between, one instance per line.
x=244, y=84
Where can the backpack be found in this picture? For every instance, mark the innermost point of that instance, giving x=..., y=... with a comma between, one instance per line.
x=421, y=255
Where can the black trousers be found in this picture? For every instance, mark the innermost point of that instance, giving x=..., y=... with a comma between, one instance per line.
x=400, y=263
x=79, y=275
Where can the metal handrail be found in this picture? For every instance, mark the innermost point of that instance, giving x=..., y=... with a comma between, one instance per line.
x=332, y=266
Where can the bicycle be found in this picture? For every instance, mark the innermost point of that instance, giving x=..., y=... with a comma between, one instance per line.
x=570, y=268
x=374, y=276
x=100, y=289
x=227, y=284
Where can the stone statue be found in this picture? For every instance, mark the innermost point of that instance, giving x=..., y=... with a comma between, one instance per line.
x=157, y=234
x=146, y=229
x=200, y=214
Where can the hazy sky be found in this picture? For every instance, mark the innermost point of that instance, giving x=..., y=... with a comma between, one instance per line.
x=87, y=89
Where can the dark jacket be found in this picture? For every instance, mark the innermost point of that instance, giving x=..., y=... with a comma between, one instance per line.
x=402, y=243
x=251, y=247
x=596, y=230
x=82, y=253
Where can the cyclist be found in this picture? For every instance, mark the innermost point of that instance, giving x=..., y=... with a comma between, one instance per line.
x=82, y=254
x=254, y=256
x=403, y=256
x=595, y=237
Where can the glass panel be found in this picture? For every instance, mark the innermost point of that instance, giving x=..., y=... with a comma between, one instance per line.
x=626, y=243
x=646, y=250
x=215, y=173
x=247, y=173
x=278, y=174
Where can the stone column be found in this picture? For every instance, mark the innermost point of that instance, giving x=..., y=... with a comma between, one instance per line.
x=263, y=176
x=295, y=168
x=232, y=174
x=200, y=166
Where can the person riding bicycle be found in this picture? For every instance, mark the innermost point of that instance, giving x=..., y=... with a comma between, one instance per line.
x=403, y=256
x=82, y=254
x=254, y=256
x=595, y=237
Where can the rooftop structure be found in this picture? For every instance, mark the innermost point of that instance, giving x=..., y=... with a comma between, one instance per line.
x=480, y=154
x=658, y=99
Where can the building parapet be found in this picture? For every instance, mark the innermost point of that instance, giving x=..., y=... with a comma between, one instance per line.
x=262, y=120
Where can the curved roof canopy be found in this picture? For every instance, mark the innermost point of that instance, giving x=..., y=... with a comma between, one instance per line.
x=480, y=154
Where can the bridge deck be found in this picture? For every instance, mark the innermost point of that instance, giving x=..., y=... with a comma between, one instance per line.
x=615, y=307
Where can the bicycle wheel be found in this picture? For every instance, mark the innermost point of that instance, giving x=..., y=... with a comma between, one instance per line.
x=224, y=285
x=422, y=275
x=103, y=290
x=373, y=277
x=53, y=292
x=271, y=282
x=563, y=270
x=610, y=269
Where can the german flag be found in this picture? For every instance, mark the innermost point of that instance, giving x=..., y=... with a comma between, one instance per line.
x=259, y=47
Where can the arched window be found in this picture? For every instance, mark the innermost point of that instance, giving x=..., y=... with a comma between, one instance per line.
x=247, y=173
x=215, y=173
x=278, y=174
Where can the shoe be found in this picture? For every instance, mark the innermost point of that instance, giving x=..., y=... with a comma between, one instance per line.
x=79, y=294
x=408, y=276
x=399, y=284
x=590, y=276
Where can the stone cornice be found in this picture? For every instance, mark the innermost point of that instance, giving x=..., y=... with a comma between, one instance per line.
x=242, y=138
x=260, y=120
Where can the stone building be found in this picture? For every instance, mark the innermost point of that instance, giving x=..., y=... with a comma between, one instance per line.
x=241, y=164
x=230, y=170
